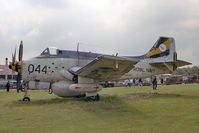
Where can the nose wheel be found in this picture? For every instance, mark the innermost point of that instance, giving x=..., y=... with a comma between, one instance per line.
x=26, y=99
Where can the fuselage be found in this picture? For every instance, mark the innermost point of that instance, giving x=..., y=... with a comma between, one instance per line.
x=52, y=68
x=56, y=69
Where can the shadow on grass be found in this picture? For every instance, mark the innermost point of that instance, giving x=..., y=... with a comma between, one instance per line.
x=47, y=101
x=107, y=104
x=105, y=99
x=117, y=104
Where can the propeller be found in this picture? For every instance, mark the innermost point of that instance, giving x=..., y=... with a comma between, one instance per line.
x=21, y=51
x=17, y=65
x=13, y=59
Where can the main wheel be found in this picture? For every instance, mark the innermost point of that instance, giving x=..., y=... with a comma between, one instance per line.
x=26, y=99
x=93, y=98
x=97, y=97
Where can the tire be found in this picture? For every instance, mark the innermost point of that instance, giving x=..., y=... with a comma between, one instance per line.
x=26, y=99
x=93, y=98
x=97, y=97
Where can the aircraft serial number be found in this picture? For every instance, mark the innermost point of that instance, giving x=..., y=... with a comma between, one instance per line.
x=37, y=68
x=149, y=70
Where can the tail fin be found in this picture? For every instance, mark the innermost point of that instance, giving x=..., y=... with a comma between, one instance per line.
x=164, y=53
x=163, y=48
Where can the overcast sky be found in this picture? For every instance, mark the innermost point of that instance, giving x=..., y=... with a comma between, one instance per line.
x=127, y=27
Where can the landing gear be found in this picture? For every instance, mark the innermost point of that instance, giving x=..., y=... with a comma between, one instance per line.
x=93, y=98
x=50, y=91
x=80, y=96
x=26, y=98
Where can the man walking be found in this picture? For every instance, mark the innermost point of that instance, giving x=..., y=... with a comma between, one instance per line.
x=8, y=86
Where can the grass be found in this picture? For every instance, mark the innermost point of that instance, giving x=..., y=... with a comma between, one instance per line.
x=170, y=109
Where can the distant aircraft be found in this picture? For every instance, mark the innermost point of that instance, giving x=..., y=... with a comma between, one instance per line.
x=75, y=73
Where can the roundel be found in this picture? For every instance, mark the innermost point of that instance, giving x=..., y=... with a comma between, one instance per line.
x=162, y=47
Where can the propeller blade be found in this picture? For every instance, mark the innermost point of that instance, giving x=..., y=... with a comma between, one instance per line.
x=14, y=56
x=12, y=59
x=21, y=51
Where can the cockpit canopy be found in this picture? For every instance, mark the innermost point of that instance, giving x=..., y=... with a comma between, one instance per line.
x=50, y=51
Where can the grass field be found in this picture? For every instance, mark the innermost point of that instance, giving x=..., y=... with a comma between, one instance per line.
x=170, y=109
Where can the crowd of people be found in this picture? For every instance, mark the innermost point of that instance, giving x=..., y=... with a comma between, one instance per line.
x=139, y=82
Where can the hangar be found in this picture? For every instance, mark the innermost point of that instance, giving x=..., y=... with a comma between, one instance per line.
x=5, y=75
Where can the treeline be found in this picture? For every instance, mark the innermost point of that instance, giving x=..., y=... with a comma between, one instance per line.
x=188, y=71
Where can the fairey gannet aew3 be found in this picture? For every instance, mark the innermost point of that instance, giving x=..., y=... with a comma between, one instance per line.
x=75, y=73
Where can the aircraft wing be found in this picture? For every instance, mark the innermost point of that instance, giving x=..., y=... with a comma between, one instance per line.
x=107, y=67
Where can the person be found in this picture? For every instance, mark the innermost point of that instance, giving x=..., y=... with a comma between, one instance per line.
x=140, y=82
x=134, y=82
x=162, y=81
x=8, y=86
x=154, y=83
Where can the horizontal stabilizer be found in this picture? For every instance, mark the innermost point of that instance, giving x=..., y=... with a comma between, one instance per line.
x=177, y=63
x=180, y=63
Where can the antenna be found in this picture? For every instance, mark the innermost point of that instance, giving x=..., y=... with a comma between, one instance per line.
x=6, y=69
x=78, y=54
x=78, y=47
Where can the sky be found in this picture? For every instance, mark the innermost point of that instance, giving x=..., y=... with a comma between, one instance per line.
x=126, y=27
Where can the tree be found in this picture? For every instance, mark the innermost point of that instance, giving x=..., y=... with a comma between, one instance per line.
x=188, y=71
